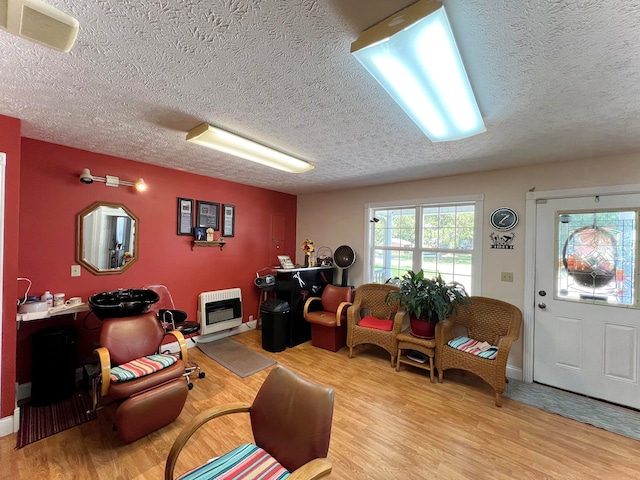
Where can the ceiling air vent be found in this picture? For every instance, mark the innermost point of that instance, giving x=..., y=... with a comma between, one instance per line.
x=39, y=22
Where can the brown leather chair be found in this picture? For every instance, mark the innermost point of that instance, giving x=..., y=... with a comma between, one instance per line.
x=374, y=321
x=328, y=317
x=486, y=320
x=148, y=402
x=291, y=421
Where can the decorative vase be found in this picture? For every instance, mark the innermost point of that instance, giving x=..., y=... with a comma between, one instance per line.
x=306, y=260
x=422, y=328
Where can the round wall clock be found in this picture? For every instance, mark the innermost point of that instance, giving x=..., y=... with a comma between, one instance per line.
x=504, y=218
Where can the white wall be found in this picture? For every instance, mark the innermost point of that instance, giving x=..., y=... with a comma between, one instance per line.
x=337, y=218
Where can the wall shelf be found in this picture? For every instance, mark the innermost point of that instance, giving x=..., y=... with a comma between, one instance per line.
x=52, y=312
x=216, y=243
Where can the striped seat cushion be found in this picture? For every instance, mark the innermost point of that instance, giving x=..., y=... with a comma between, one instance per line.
x=245, y=462
x=140, y=367
x=474, y=347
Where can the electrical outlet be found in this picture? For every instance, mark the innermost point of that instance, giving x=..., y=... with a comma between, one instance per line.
x=251, y=318
x=507, y=276
x=75, y=270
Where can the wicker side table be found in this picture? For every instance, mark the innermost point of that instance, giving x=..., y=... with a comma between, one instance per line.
x=406, y=341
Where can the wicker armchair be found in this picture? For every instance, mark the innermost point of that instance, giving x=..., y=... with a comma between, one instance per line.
x=486, y=320
x=370, y=301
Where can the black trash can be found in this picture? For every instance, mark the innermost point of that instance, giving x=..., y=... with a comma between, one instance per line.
x=274, y=315
x=53, y=373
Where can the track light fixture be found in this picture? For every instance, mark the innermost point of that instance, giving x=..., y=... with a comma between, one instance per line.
x=111, y=181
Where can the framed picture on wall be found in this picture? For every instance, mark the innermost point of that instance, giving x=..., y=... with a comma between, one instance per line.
x=185, y=216
x=200, y=234
x=228, y=220
x=208, y=215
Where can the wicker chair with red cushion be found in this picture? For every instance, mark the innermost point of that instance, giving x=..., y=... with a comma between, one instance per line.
x=371, y=320
x=491, y=326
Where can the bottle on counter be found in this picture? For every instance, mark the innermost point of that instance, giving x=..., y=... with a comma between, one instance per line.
x=47, y=297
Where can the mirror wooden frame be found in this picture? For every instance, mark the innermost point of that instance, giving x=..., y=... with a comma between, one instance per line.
x=80, y=257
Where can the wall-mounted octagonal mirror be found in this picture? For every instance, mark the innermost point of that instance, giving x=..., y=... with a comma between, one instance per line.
x=107, y=238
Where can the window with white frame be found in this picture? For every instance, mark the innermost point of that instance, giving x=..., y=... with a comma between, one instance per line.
x=435, y=236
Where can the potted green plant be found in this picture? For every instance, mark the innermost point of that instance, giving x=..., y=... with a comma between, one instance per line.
x=428, y=300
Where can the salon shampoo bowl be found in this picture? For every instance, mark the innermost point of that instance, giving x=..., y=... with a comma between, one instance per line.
x=122, y=303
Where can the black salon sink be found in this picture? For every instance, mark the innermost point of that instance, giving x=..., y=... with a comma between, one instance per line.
x=122, y=303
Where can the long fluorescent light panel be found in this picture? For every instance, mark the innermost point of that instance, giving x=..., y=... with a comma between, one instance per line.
x=227, y=142
x=413, y=55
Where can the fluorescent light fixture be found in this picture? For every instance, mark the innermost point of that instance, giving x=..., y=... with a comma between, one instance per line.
x=413, y=55
x=111, y=181
x=226, y=142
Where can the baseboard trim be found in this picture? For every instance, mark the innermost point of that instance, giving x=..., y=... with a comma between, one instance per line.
x=173, y=347
x=10, y=424
x=244, y=327
x=514, y=372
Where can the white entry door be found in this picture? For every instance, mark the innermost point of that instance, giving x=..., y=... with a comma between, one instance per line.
x=586, y=329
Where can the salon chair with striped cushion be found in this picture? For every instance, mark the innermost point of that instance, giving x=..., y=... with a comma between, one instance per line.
x=291, y=423
x=148, y=387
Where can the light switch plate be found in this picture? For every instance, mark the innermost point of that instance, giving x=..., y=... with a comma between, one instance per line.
x=507, y=277
x=75, y=270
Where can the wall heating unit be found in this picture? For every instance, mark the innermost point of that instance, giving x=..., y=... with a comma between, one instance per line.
x=219, y=310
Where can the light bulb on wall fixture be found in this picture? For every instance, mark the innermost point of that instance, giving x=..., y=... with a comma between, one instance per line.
x=111, y=181
x=140, y=185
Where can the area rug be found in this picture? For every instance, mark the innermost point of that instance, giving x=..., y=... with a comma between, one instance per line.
x=236, y=357
x=623, y=421
x=37, y=423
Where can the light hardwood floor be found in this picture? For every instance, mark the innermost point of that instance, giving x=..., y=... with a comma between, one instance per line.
x=387, y=425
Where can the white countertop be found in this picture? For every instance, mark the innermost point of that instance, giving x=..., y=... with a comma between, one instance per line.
x=52, y=312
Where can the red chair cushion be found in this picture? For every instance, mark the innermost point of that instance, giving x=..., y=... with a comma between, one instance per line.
x=377, y=323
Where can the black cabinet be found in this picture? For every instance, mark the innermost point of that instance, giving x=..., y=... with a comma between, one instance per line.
x=53, y=376
x=294, y=286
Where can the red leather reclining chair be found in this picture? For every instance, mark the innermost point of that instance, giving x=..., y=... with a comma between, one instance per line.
x=149, y=386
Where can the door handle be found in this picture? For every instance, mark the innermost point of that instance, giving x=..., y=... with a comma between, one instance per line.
x=542, y=305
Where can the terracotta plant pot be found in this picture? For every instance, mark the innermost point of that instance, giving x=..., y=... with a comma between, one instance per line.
x=422, y=328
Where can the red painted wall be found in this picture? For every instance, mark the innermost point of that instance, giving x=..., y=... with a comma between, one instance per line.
x=10, y=144
x=52, y=195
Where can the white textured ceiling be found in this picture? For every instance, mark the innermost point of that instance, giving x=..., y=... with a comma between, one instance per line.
x=555, y=80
